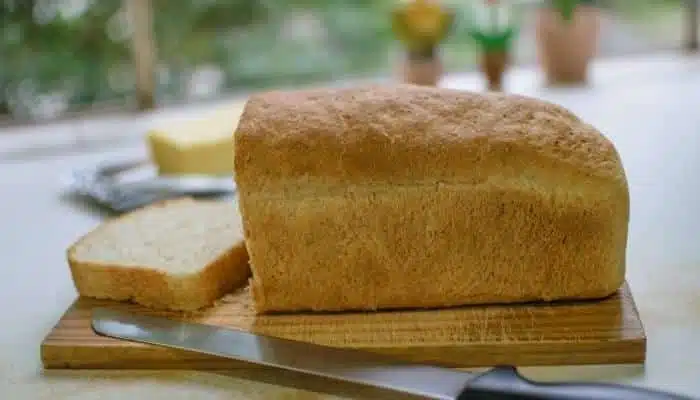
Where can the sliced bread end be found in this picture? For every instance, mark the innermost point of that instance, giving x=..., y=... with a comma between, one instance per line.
x=155, y=287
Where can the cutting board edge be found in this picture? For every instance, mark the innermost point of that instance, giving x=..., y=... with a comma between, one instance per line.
x=148, y=357
x=58, y=352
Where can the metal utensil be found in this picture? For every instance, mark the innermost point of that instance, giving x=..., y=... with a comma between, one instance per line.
x=103, y=184
x=187, y=184
x=353, y=365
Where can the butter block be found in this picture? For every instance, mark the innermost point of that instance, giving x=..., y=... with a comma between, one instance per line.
x=200, y=146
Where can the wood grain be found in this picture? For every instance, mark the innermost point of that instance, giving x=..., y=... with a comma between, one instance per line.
x=608, y=331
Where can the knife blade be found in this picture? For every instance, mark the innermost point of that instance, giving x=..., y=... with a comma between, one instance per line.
x=356, y=366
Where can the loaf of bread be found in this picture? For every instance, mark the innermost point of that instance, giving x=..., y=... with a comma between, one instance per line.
x=179, y=254
x=378, y=197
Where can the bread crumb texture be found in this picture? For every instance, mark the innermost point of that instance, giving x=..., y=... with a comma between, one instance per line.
x=384, y=197
x=180, y=254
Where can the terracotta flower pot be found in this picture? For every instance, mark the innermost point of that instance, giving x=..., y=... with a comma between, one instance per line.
x=426, y=71
x=565, y=48
x=493, y=65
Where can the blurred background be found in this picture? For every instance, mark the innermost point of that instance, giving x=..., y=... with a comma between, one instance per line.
x=61, y=58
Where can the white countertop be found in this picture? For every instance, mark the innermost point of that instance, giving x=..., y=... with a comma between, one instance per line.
x=651, y=111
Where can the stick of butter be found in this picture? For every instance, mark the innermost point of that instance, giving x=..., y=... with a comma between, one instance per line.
x=199, y=146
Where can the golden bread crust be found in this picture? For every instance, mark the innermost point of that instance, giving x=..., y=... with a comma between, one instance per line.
x=412, y=197
x=405, y=133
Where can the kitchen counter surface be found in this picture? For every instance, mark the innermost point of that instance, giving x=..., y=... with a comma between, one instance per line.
x=649, y=108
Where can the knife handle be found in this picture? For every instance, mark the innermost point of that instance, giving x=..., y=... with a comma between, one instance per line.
x=505, y=383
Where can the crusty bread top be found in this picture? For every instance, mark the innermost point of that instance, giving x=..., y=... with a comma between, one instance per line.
x=178, y=237
x=405, y=133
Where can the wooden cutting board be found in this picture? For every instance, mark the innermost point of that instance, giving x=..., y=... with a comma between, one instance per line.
x=599, y=332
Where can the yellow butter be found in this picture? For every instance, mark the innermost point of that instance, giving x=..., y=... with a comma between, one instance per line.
x=199, y=146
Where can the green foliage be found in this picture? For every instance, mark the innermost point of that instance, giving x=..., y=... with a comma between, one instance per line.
x=494, y=42
x=566, y=8
x=44, y=51
x=493, y=34
x=84, y=55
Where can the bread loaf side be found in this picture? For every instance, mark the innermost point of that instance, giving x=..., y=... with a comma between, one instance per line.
x=405, y=197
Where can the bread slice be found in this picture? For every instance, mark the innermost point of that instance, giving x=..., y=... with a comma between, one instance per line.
x=380, y=197
x=181, y=254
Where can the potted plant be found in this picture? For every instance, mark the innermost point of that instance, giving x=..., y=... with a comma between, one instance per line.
x=421, y=25
x=567, y=39
x=493, y=27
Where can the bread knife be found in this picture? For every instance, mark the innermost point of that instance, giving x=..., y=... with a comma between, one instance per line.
x=356, y=366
